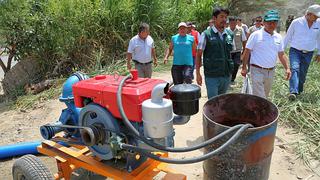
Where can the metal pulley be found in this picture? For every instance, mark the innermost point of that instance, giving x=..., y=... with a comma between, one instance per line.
x=94, y=115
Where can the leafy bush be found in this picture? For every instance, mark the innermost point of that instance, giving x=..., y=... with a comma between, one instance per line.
x=73, y=31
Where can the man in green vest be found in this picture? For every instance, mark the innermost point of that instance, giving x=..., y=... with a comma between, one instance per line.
x=215, y=44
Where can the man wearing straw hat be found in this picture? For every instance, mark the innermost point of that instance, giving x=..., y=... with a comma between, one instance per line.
x=265, y=45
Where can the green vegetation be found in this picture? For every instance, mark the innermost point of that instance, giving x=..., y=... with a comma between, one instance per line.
x=75, y=30
x=29, y=101
x=302, y=114
x=93, y=35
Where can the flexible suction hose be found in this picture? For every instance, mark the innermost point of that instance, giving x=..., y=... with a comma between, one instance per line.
x=19, y=149
x=160, y=147
x=189, y=160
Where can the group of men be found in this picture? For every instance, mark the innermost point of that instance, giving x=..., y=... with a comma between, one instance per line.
x=221, y=50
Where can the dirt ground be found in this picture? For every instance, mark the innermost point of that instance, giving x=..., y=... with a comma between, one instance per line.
x=20, y=126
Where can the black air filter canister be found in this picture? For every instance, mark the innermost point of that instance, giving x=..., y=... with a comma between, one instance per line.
x=185, y=99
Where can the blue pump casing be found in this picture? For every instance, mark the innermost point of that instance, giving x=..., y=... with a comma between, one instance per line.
x=69, y=115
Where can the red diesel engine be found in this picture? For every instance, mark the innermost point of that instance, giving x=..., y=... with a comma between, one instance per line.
x=107, y=111
x=102, y=90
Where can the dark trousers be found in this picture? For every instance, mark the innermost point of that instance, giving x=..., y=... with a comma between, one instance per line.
x=236, y=61
x=181, y=74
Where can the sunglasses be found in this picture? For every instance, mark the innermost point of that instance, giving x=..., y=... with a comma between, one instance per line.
x=258, y=20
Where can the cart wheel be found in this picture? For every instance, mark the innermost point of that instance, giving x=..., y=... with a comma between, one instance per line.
x=29, y=167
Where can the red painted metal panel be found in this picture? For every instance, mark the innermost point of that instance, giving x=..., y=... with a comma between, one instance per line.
x=102, y=90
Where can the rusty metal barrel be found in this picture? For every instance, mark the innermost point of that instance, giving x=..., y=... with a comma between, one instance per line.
x=249, y=157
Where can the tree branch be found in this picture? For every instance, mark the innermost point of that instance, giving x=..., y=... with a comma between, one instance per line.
x=3, y=66
x=12, y=53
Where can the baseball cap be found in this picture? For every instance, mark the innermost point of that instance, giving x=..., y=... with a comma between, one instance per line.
x=182, y=24
x=272, y=15
x=314, y=9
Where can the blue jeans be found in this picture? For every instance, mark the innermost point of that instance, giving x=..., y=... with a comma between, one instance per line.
x=217, y=85
x=299, y=64
x=181, y=74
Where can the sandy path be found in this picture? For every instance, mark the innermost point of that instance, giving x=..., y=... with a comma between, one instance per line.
x=16, y=126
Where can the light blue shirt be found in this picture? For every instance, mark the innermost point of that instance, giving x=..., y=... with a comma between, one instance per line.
x=182, y=47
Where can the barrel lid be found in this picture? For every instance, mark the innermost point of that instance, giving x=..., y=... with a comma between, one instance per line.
x=185, y=92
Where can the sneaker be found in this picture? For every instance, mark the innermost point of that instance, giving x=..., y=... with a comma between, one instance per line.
x=292, y=97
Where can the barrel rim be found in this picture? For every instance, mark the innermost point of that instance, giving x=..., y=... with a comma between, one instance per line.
x=251, y=128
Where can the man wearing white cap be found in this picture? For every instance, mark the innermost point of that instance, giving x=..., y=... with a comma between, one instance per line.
x=304, y=37
x=182, y=45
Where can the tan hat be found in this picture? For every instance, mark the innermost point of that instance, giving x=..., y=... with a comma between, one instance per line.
x=182, y=24
x=314, y=9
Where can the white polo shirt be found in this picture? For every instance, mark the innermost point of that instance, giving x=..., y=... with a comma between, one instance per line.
x=264, y=48
x=141, y=49
x=301, y=37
